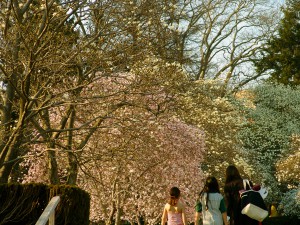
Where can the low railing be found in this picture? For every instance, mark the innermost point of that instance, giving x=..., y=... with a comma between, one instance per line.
x=49, y=212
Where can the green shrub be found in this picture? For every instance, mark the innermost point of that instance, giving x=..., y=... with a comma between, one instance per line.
x=23, y=204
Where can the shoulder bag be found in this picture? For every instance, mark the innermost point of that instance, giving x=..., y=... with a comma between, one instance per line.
x=252, y=203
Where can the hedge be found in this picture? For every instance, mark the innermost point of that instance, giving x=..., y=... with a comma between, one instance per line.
x=24, y=203
x=281, y=220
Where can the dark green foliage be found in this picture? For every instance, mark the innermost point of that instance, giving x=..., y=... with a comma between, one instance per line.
x=23, y=204
x=281, y=220
x=281, y=57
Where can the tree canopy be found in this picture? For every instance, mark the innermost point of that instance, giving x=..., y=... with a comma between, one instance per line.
x=281, y=56
x=270, y=137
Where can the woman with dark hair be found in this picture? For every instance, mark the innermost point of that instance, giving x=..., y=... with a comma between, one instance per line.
x=211, y=204
x=233, y=184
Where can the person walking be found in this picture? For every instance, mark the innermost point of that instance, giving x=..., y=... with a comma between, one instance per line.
x=233, y=184
x=211, y=205
x=174, y=210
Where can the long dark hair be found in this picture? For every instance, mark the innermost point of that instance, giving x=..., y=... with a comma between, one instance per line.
x=211, y=186
x=174, y=195
x=232, y=174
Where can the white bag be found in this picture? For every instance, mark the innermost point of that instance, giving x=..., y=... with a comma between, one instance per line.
x=252, y=203
x=255, y=212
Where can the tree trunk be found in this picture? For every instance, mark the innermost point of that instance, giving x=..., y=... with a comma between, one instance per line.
x=52, y=166
x=139, y=220
x=72, y=161
x=109, y=221
x=118, y=216
x=10, y=159
x=118, y=206
x=7, y=132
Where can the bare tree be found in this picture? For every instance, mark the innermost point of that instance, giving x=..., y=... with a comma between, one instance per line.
x=50, y=51
x=213, y=39
x=43, y=60
x=224, y=38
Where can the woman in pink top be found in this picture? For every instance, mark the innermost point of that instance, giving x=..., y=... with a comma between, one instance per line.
x=174, y=210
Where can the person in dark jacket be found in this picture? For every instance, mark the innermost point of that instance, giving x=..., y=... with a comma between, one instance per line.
x=233, y=184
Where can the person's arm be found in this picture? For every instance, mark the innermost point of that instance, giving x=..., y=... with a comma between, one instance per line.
x=224, y=215
x=198, y=213
x=184, y=217
x=164, y=216
x=197, y=218
x=223, y=211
